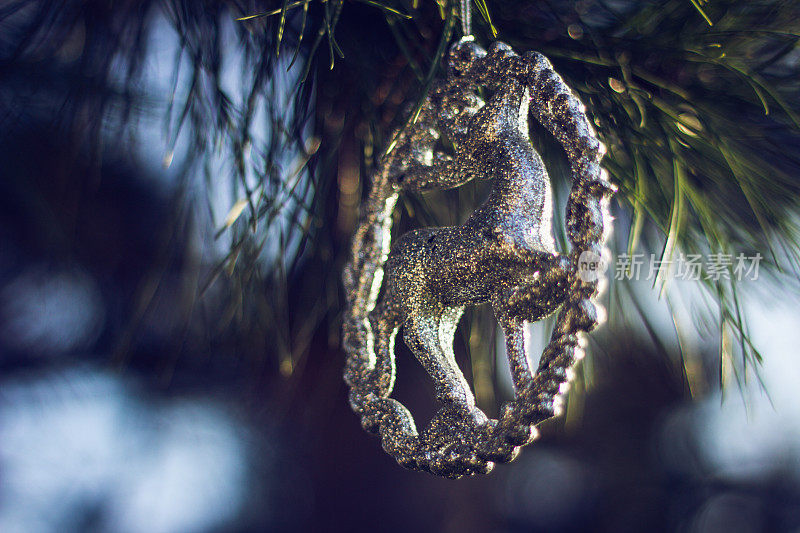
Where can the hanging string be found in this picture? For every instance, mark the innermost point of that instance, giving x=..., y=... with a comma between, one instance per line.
x=466, y=18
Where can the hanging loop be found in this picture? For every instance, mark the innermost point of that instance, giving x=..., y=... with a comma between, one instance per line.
x=466, y=18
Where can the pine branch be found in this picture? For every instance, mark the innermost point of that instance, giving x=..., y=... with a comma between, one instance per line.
x=696, y=101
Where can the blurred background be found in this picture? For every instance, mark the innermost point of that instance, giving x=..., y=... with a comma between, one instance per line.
x=177, y=193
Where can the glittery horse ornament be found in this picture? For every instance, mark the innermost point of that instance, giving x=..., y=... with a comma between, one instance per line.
x=503, y=255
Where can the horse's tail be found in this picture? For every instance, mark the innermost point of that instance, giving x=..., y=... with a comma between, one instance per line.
x=369, y=369
x=363, y=273
x=365, y=370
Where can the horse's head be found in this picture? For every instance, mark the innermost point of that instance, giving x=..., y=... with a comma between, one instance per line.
x=463, y=55
x=498, y=133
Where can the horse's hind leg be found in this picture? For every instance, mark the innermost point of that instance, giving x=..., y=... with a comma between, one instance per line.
x=520, y=364
x=385, y=320
x=430, y=337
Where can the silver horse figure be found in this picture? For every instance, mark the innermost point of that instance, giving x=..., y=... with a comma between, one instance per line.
x=503, y=254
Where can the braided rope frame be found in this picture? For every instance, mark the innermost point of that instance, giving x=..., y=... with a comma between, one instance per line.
x=453, y=446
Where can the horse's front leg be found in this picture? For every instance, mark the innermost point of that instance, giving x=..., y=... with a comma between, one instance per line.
x=428, y=332
x=541, y=286
x=552, y=264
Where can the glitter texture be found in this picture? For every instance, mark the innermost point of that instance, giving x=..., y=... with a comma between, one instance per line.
x=502, y=255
